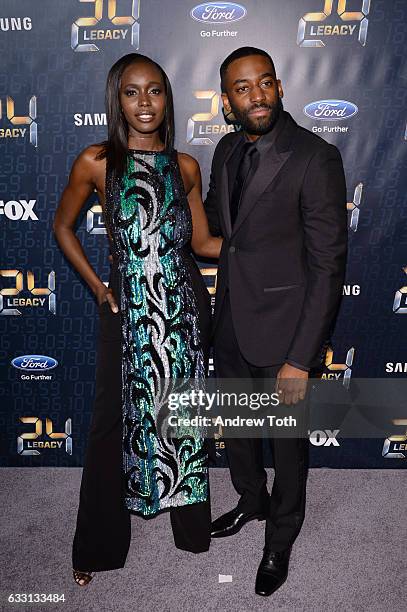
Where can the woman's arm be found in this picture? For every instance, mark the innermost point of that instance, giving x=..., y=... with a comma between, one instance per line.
x=203, y=243
x=82, y=181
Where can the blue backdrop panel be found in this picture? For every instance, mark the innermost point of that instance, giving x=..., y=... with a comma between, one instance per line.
x=341, y=67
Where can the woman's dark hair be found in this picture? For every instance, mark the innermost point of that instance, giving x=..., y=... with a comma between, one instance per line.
x=116, y=146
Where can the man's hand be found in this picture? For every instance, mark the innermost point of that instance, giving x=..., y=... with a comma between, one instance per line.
x=291, y=384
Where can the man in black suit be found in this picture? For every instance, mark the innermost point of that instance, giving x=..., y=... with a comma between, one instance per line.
x=277, y=195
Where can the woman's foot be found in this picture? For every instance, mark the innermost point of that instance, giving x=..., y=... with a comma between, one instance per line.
x=82, y=578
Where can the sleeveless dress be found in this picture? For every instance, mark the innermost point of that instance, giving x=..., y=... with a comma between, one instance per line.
x=150, y=226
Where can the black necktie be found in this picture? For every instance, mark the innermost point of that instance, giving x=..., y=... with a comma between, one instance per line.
x=243, y=170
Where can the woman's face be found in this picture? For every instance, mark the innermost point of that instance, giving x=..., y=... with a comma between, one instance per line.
x=142, y=97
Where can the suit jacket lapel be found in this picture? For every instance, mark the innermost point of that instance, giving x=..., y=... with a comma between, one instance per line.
x=271, y=162
x=269, y=166
x=224, y=188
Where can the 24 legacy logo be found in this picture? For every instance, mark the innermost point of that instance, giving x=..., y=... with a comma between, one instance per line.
x=33, y=442
x=9, y=120
x=98, y=27
x=336, y=371
x=395, y=447
x=312, y=32
x=18, y=210
x=400, y=298
x=200, y=125
x=10, y=295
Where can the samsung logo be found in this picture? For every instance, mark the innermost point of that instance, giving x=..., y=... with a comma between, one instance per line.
x=330, y=110
x=34, y=362
x=396, y=366
x=218, y=12
x=15, y=23
x=89, y=119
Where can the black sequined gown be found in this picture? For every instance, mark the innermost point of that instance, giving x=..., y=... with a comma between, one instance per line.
x=161, y=331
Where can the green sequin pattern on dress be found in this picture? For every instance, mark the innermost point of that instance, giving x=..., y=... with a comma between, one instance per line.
x=150, y=223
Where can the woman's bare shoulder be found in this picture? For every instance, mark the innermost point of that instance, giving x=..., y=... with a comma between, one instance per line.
x=188, y=163
x=90, y=164
x=92, y=155
x=190, y=171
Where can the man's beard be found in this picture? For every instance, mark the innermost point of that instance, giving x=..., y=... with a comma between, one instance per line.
x=260, y=125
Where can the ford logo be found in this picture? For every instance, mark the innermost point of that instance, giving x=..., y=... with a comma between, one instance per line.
x=218, y=12
x=330, y=110
x=34, y=362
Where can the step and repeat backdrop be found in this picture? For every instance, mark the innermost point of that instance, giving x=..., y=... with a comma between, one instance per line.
x=341, y=66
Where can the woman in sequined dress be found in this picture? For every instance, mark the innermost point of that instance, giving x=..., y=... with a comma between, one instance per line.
x=154, y=320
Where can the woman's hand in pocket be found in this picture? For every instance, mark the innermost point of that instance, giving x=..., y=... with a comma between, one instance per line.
x=106, y=295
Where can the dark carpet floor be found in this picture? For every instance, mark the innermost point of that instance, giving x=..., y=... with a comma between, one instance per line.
x=350, y=554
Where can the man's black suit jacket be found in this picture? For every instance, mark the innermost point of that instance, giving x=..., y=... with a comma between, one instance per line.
x=284, y=260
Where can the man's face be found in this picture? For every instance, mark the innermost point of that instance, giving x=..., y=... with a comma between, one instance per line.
x=253, y=93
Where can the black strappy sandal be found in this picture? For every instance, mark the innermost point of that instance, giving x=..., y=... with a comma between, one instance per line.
x=86, y=577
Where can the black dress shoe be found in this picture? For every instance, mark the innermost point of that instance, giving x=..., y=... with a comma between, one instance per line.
x=230, y=523
x=272, y=572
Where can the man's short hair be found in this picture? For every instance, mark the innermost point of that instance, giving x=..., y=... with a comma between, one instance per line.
x=237, y=54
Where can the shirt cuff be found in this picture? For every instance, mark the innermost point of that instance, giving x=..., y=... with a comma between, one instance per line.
x=297, y=365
